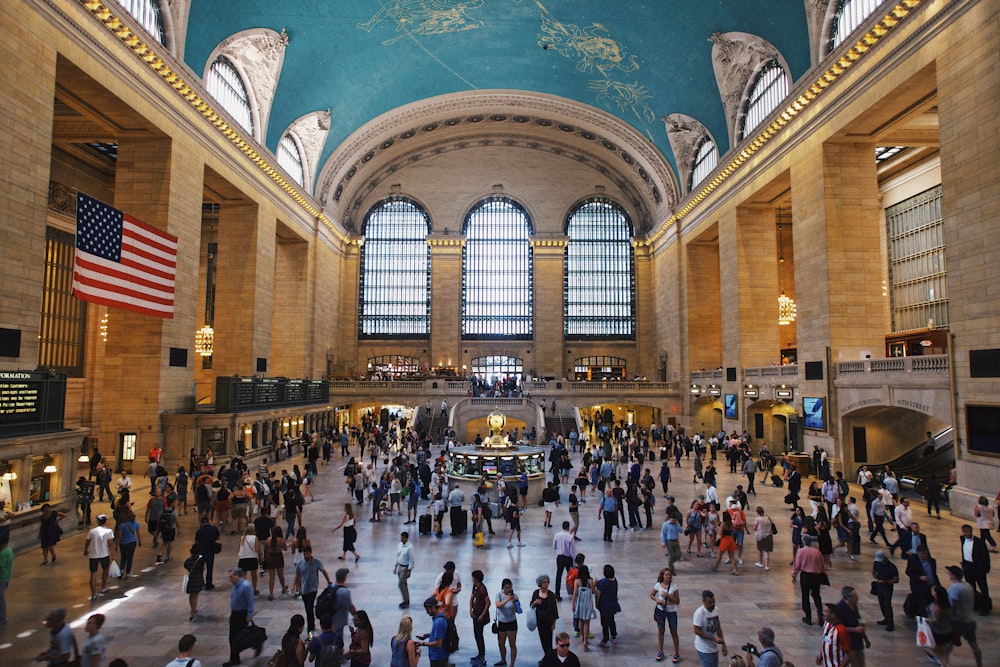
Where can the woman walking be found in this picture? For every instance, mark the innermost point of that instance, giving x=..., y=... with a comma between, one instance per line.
x=583, y=602
x=607, y=606
x=543, y=601
x=984, y=521
x=127, y=533
x=763, y=533
x=507, y=604
x=49, y=532
x=347, y=522
x=195, y=566
x=727, y=545
x=249, y=555
x=275, y=548
x=667, y=597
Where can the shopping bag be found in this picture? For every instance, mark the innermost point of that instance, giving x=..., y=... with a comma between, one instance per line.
x=479, y=539
x=114, y=571
x=925, y=638
x=532, y=620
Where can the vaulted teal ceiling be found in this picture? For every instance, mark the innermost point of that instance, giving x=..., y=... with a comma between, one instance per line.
x=638, y=60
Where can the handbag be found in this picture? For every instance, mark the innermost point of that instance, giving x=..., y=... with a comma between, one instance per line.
x=493, y=627
x=774, y=528
x=925, y=638
x=874, y=588
x=184, y=584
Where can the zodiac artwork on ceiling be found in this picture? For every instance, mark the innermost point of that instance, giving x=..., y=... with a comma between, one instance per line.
x=425, y=17
x=593, y=49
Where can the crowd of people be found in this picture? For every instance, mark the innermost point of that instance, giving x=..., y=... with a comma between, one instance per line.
x=626, y=472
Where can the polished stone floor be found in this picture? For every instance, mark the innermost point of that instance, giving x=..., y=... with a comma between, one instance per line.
x=148, y=614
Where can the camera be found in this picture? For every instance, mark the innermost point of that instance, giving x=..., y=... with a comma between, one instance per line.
x=749, y=648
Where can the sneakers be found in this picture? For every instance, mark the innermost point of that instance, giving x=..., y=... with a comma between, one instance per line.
x=739, y=561
x=758, y=565
x=576, y=633
x=510, y=545
x=159, y=558
x=603, y=644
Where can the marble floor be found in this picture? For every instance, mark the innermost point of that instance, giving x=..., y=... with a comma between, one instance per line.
x=148, y=614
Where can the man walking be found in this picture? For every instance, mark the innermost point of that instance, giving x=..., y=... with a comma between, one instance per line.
x=975, y=566
x=99, y=545
x=207, y=536
x=565, y=547
x=670, y=535
x=961, y=597
x=808, y=568
x=404, y=567
x=835, y=650
x=850, y=616
x=885, y=575
x=307, y=573
x=708, y=637
x=240, y=614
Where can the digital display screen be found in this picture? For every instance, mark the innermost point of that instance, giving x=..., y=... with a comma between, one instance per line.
x=815, y=413
x=730, y=403
x=490, y=468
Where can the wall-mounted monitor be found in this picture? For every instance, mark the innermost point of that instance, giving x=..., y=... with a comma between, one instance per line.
x=814, y=413
x=730, y=403
x=983, y=428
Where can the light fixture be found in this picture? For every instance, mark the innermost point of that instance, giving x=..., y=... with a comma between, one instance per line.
x=750, y=391
x=83, y=459
x=10, y=476
x=695, y=390
x=50, y=468
x=104, y=328
x=204, y=341
x=786, y=305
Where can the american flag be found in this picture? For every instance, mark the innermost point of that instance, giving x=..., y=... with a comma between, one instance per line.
x=122, y=262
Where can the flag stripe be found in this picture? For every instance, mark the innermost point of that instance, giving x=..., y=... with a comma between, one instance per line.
x=123, y=262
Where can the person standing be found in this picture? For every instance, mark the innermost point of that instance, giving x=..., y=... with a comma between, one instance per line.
x=583, y=603
x=769, y=655
x=708, y=636
x=307, y=573
x=455, y=511
x=479, y=610
x=435, y=640
x=240, y=614
x=49, y=531
x=565, y=546
x=608, y=510
x=99, y=545
x=809, y=568
x=207, y=536
x=507, y=604
x=961, y=598
x=607, y=606
x=667, y=597
x=185, y=647
x=835, y=650
x=546, y=612
x=404, y=567
x=561, y=656
x=885, y=575
x=6, y=572
x=850, y=616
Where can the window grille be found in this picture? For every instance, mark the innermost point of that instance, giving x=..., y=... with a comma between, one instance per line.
x=769, y=89
x=147, y=13
x=290, y=159
x=492, y=368
x=599, y=272
x=849, y=16
x=395, y=271
x=226, y=85
x=705, y=161
x=63, y=317
x=497, y=272
x=917, y=273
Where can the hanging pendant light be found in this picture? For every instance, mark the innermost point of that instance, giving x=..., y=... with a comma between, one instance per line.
x=786, y=305
x=204, y=341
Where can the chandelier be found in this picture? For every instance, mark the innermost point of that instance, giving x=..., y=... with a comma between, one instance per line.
x=786, y=305
x=204, y=341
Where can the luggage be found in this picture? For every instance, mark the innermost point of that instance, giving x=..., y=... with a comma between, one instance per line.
x=777, y=481
x=459, y=521
x=424, y=525
x=436, y=527
x=479, y=540
x=253, y=636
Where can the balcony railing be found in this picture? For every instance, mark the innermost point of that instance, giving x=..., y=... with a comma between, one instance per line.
x=933, y=363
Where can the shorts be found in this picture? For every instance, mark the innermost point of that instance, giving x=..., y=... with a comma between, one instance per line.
x=507, y=626
x=515, y=523
x=766, y=544
x=104, y=563
x=248, y=564
x=738, y=537
x=167, y=534
x=550, y=507
x=394, y=498
x=239, y=510
x=967, y=630
x=153, y=526
x=204, y=506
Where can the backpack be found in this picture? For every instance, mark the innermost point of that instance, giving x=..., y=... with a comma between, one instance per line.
x=326, y=603
x=329, y=655
x=571, y=576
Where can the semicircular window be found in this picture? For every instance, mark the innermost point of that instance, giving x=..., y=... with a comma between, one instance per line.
x=705, y=161
x=394, y=293
x=290, y=158
x=848, y=17
x=497, y=275
x=225, y=84
x=769, y=89
x=600, y=272
x=147, y=13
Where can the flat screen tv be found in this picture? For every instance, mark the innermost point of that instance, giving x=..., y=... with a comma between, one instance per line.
x=490, y=468
x=814, y=413
x=983, y=428
x=730, y=403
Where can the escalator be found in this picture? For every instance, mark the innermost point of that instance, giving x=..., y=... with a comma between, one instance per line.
x=912, y=468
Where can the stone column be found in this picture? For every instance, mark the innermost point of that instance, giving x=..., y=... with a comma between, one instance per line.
x=446, y=301
x=548, y=349
x=703, y=300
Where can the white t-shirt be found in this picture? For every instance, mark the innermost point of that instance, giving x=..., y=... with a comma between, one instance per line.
x=662, y=593
x=183, y=662
x=99, y=540
x=708, y=621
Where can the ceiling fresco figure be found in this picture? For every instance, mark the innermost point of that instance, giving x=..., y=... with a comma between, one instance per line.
x=425, y=17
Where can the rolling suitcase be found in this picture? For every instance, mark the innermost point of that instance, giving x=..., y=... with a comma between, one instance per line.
x=777, y=481
x=425, y=524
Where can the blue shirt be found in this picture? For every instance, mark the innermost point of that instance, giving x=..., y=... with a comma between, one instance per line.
x=439, y=630
x=609, y=504
x=128, y=532
x=308, y=572
x=241, y=597
x=671, y=530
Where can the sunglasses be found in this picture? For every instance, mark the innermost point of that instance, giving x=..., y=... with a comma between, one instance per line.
x=563, y=645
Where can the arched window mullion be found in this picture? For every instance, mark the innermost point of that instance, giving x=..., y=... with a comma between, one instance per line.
x=770, y=88
x=226, y=85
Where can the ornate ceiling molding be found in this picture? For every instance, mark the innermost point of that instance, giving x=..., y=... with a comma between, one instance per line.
x=685, y=135
x=506, y=117
x=310, y=131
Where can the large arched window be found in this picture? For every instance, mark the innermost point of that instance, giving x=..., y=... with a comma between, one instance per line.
x=770, y=88
x=497, y=289
x=849, y=16
x=290, y=158
x=600, y=272
x=147, y=13
x=395, y=295
x=225, y=84
x=705, y=161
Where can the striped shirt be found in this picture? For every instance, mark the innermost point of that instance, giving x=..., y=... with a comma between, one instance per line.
x=836, y=645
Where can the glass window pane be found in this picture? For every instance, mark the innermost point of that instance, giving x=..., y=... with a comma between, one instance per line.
x=147, y=13
x=226, y=86
x=769, y=90
x=917, y=275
